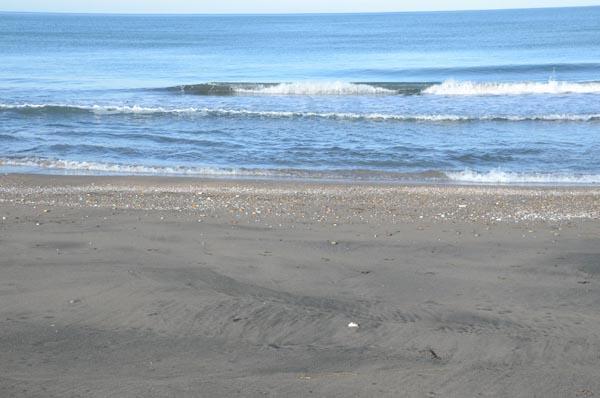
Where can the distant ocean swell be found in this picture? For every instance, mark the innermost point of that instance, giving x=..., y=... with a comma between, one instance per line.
x=549, y=70
x=64, y=109
x=446, y=88
x=432, y=176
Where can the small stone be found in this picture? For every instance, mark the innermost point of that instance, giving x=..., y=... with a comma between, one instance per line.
x=353, y=325
x=333, y=242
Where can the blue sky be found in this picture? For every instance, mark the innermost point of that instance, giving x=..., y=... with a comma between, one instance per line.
x=270, y=6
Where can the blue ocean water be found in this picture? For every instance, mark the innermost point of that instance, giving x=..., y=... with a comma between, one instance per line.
x=487, y=96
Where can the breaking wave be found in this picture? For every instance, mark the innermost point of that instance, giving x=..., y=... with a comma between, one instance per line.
x=325, y=88
x=447, y=88
x=466, y=88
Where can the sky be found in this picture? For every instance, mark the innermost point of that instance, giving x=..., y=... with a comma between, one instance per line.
x=273, y=6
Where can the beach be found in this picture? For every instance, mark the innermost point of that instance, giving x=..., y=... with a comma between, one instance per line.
x=187, y=287
x=339, y=204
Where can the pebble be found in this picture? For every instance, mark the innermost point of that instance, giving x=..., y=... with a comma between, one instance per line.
x=353, y=325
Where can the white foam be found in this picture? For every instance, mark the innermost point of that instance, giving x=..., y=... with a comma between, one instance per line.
x=548, y=118
x=336, y=115
x=136, y=109
x=503, y=177
x=100, y=109
x=466, y=176
x=317, y=88
x=466, y=88
x=81, y=166
x=403, y=117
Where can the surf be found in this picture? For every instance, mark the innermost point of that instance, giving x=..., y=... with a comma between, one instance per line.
x=302, y=88
x=510, y=177
x=551, y=87
x=115, y=110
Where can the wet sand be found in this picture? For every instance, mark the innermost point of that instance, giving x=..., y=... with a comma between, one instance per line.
x=166, y=287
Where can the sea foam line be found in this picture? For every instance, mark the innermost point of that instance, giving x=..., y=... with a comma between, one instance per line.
x=469, y=88
x=84, y=166
x=465, y=176
x=448, y=87
x=504, y=177
x=207, y=112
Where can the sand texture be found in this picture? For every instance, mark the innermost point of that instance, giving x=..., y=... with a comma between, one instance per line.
x=150, y=287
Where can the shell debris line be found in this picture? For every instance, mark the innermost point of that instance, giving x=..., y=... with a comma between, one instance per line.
x=331, y=203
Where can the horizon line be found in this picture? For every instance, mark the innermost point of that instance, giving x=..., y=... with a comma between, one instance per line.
x=267, y=13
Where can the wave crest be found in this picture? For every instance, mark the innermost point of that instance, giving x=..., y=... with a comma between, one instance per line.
x=317, y=88
x=303, y=88
x=469, y=88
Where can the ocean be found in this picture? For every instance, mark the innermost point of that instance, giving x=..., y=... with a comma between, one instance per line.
x=509, y=97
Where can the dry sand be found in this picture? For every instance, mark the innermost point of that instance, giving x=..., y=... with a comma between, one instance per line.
x=150, y=287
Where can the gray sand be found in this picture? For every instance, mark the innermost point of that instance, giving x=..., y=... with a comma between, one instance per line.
x=147, y=287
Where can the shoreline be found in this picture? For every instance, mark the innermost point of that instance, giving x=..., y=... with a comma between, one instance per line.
x=466, y=177
x=283, y=179
x=299, y=181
